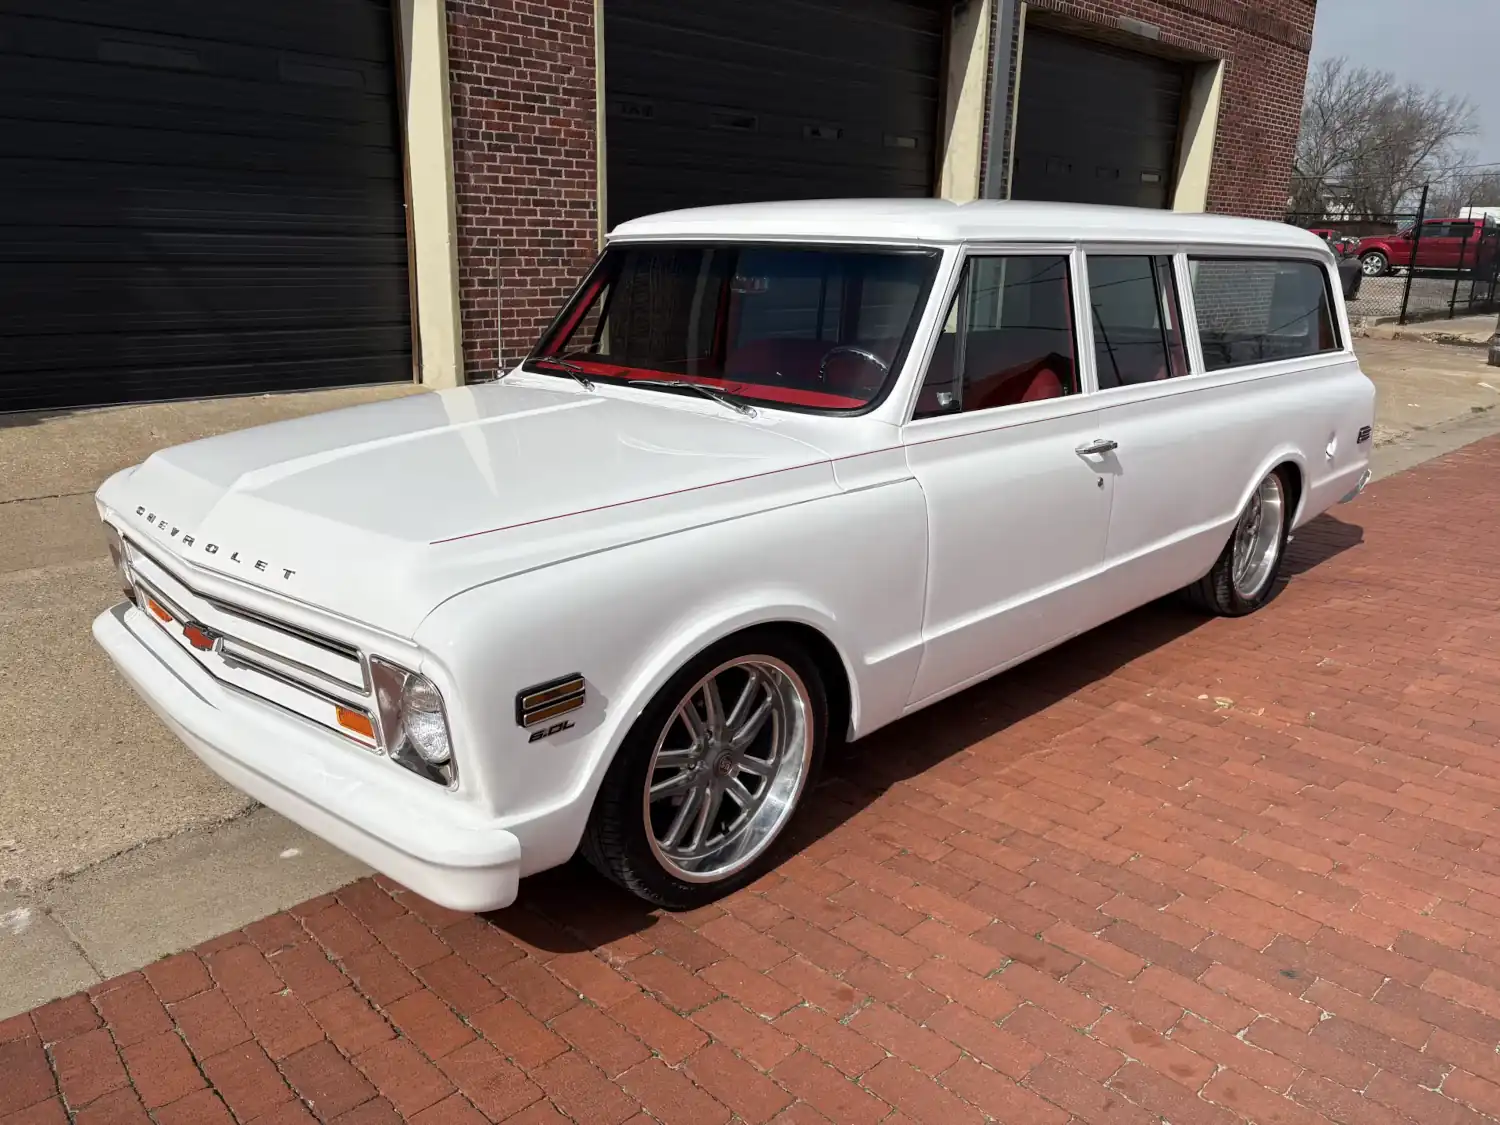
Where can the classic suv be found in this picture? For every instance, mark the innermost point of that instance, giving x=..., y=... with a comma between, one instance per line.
x=1445, y=244
x=777, y=474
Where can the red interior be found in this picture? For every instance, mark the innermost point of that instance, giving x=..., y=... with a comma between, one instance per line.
x=1018, y=365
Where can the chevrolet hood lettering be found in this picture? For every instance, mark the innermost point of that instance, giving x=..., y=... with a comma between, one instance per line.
x=380, y=512
x=190, y=543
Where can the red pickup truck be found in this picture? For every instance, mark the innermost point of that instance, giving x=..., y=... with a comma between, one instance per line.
x=1446, y=244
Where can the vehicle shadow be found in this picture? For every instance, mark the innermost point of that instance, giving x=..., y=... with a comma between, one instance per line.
x=571, y=908
x=1318, y=542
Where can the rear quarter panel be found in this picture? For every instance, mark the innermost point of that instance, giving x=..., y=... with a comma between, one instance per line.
x=1208, y=441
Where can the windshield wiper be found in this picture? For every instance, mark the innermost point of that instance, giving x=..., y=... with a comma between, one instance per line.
x=707, y=392
x=567, y=366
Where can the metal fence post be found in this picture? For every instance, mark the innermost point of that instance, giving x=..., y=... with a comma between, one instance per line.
x=1463, y=249
x=1495, y=346
x=1416, y=245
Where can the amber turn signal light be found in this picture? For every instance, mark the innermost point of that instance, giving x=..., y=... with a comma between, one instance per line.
x=157, y=611
x=358, y=722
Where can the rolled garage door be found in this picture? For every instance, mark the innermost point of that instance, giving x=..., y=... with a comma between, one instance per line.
x=1095, y=123
x=198, y=199
x=732, y=101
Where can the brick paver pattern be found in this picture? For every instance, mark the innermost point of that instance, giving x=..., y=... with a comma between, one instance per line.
x=1184, y=871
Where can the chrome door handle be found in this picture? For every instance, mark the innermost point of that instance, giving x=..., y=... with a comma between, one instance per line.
x=1098, y=445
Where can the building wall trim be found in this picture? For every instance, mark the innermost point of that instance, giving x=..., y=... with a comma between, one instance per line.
x=432, y=219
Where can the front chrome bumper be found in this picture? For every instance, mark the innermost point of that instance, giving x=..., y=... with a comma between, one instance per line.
x=440, y=847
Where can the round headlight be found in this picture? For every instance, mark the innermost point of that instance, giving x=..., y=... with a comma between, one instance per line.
x=122, y=563
x=423, y=720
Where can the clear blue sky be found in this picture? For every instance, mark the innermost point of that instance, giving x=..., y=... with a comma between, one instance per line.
x=1451, y=45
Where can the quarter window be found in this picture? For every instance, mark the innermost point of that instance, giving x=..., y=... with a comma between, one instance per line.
x=1137, y=323
x=1256, y=310
x=1008, y=337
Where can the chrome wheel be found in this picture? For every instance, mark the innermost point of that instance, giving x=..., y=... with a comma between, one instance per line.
x=1374, y=265
x=728, y=768
x=1257, y=539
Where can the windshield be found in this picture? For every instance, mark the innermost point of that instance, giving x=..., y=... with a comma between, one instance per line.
x=807, y=328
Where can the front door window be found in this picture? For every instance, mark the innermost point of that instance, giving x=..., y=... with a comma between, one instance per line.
x=1008, y=337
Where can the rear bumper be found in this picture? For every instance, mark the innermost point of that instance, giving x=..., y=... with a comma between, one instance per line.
x=434, y=843
x=1359, y=486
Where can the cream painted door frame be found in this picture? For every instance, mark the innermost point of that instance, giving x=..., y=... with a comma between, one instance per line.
x=1200, y=130
x=427, y=129
x=967, y=83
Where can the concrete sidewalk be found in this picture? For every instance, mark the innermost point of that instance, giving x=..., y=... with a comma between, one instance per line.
x=89, y=772
x=116, y=846
x=1178, y=870
x=1463, y=331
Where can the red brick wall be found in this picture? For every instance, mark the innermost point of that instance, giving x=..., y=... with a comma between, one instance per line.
x=523, y=91
x=1265, y=43
x=522, y=85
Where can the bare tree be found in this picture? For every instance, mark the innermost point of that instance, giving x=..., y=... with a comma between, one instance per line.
x=1463, y=187
x=1367, y=142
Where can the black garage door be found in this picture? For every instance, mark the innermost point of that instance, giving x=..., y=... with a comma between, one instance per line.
x=1094, y=123
x=732, y=101
x=198, y=198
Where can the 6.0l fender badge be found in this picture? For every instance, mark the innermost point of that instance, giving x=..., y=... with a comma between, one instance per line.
x=548, y=732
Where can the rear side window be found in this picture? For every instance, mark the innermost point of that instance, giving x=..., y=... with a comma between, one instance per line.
x=1257, y=310
x=1137, y=327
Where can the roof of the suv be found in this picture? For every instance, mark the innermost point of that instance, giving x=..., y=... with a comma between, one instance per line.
x=939, y=220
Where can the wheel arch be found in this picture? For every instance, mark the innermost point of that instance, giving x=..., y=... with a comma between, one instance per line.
x=1296, y=482
x=810, y=627
x=814, y=628
x=1293, y=465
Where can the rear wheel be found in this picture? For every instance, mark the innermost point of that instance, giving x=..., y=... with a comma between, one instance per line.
x=1244, y=577
x=711, y=773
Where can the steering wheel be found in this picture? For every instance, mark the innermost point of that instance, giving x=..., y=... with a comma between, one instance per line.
x=863, y=353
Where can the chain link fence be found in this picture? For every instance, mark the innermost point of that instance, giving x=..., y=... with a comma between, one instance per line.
x=1417, y=265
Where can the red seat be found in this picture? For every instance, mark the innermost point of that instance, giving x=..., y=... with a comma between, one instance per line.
x=1030, y=384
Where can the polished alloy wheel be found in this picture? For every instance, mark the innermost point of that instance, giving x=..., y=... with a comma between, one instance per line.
x=1257, y=538
x=728, y=768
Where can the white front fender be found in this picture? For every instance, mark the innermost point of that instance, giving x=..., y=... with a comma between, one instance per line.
x=850, y=566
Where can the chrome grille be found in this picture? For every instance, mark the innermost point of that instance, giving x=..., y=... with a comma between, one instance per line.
x=315, y=677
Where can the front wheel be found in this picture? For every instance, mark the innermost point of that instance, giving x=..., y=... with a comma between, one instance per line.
x=1244, y=577
x=1375, y=264
x=711, y=773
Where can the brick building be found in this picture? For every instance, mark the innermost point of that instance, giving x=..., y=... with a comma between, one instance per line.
x=322, y=192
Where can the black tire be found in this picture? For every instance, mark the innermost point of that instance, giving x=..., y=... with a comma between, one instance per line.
x=1215, y=592
x=1368, y=264
x=615, y=842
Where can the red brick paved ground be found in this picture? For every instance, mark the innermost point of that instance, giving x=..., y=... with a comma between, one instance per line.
x=1200, y=872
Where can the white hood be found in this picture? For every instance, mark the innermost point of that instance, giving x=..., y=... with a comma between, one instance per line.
x=379, y=512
